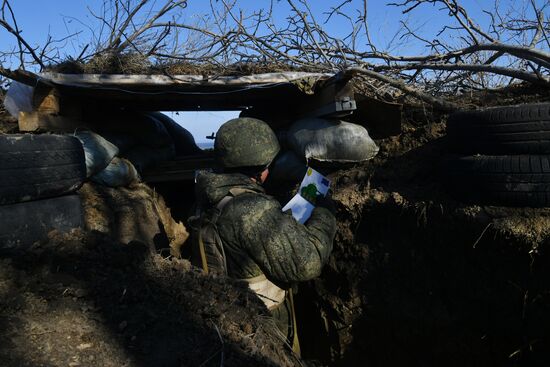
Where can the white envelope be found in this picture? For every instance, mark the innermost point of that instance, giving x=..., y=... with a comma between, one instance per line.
x=301, y=208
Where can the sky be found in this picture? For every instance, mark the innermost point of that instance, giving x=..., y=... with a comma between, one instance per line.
x=60, y=18
x=63, y=17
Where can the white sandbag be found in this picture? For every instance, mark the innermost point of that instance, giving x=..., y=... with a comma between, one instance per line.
x=120, y=172
x=18, y=98
x=331, y=140
x=98, y=152
x=287, y=167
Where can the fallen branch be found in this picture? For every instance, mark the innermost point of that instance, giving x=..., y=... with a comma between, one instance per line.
x=481, y=68
x=401, y=85
x=22, y=76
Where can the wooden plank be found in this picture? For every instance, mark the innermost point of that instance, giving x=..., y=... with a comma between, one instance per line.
x=46, y=100
x=38, y=121
x=163, y=81
x=52, y=112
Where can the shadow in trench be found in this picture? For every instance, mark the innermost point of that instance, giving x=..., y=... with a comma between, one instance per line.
x=153, y=314
x=430, y=298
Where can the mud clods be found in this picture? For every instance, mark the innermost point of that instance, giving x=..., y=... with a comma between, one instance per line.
x=85, y=299
x=416, y=278
x=419, y=279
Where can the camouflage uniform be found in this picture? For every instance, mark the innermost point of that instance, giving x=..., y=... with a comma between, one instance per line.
x=259, y=238
x=254, y=240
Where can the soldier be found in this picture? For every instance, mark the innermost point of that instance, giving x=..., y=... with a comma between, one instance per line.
x=242, y=231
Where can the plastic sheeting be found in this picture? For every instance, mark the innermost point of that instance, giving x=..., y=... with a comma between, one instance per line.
x=120, y=172
x=98, y=151
x=18, y=98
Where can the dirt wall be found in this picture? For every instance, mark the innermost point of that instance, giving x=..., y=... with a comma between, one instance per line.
x=419, y=279
x=85, y=298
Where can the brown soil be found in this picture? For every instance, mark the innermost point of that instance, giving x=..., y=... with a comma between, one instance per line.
x=419, y=279
x=416, y=278
x=131, y=214
x=8, y=124
x=85, y=299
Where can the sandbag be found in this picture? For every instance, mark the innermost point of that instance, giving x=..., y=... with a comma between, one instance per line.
x=124, y=141
x=331, y=140
x=120, y=172
x=98, y=152
x=150, y=131
x=184, y=142
x=287, y=167
x=143, y=157
x=18, y=99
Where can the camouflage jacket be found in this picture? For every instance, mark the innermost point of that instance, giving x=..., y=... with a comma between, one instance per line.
x=258, y=237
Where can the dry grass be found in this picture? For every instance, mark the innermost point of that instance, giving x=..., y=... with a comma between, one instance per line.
x=106, y=63
x=139, y=64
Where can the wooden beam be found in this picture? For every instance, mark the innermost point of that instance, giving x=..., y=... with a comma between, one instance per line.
x=46, y=100
x=41, y=122
x=52, y=112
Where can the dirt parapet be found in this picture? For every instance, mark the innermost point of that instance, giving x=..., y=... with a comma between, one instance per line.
x=8, y=124
x=131, y=214
x=419, y=279
x=82, y=299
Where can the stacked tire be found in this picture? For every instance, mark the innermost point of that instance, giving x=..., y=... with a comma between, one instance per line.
x=503, y=155
x=37, y=172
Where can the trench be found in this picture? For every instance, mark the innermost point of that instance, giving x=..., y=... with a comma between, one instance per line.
x=420, y=284
x=424, y=288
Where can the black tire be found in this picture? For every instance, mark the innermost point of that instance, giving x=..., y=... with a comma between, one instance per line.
x=23, y=224
x=39, y=166
x=522, y=180
x=520, y=129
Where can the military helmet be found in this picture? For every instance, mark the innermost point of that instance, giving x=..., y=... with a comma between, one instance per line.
x=245, y=142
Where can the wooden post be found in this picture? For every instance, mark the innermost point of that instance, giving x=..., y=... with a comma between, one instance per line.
x=46, y=100
x=52, y=112
x=41, y=122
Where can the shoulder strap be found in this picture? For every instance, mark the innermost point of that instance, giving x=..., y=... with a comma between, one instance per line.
x=223, y=202
x=236, y=191
x=212, y=247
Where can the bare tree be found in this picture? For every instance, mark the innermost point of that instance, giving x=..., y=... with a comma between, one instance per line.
x=513, y=45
